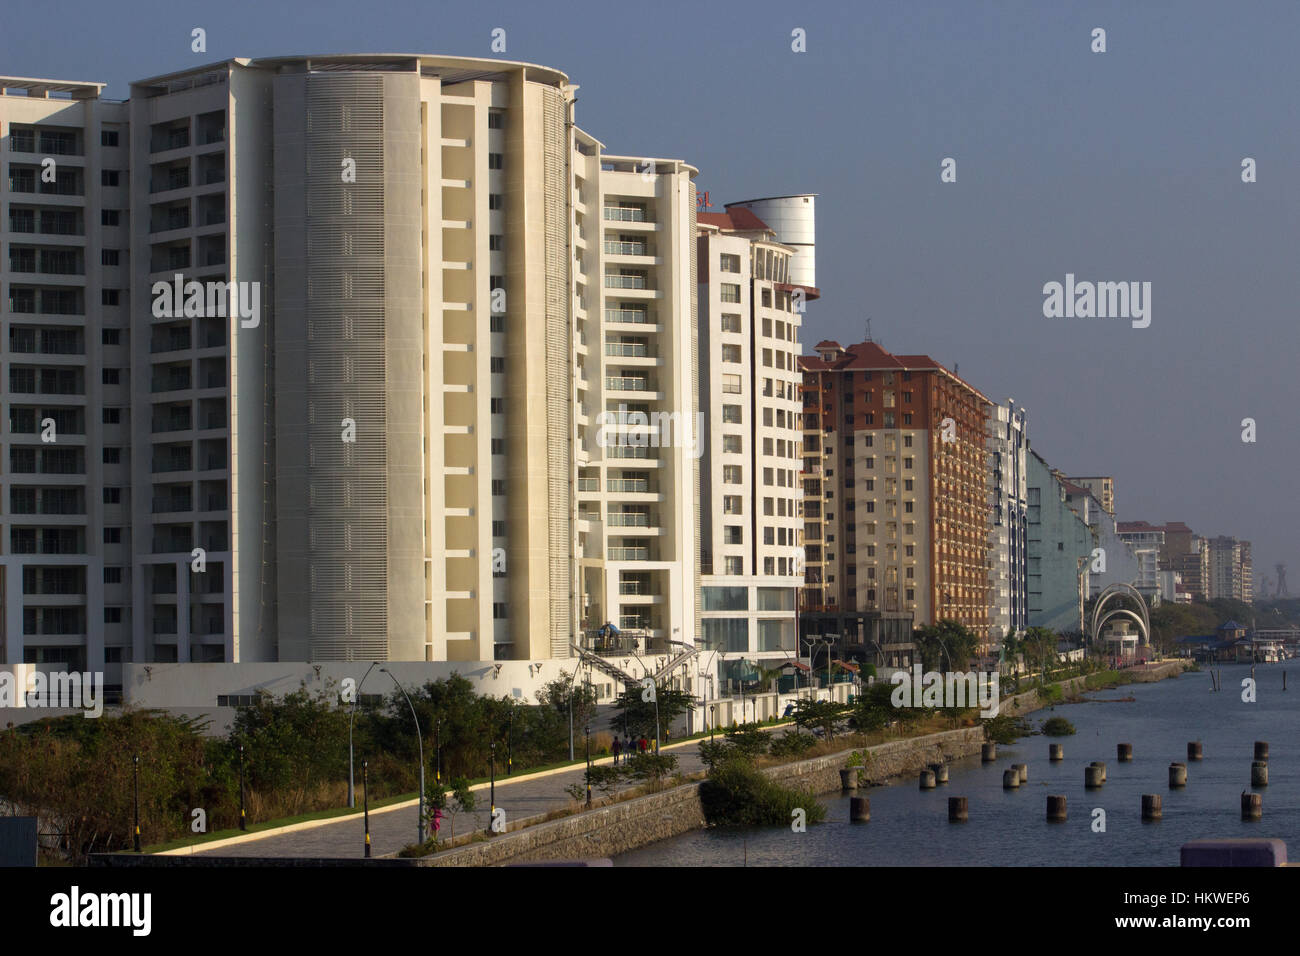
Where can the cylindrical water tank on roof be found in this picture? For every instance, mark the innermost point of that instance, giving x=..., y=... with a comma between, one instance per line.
x=793, y=220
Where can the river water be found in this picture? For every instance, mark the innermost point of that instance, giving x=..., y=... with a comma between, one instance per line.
x=909, y=827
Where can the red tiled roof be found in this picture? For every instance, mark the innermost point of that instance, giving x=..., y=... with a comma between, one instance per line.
x=869, y=355
x=739, y=219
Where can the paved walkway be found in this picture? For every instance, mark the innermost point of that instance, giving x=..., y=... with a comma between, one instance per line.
x=391, y=829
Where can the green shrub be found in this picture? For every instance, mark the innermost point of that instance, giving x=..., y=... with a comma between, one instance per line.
x=1004, y=729
x=791, y=744
x=1057, y=727
x=737, y=794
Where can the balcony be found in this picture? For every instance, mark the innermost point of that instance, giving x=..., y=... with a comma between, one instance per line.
x=625, y=214
x=629, y=316
x=629, y=350
x=627, y=384
x=625, y=248
x=629, y=554
x=630, y=486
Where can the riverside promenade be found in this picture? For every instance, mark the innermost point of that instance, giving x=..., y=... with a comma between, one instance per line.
x=525, y=796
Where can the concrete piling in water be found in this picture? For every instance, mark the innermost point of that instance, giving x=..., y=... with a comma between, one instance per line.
x=1151, y=806
x=940, y=773
x=1056, y=752
x=1055, y=808
x=1252, y=806
x=1259, y=773
x=958, y=811
x=1101, y=765
x=1177, y=776
x=1261, y=750
x=1023, y=770
x=1194, y=751
x=849, y=779
x=988, y=753
x=859, y=809
x=1011, y=779
x=1124, y=752
x=927, y=780
x=1092, y=779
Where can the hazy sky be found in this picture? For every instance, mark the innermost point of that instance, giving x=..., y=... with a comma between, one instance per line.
x=1115, y=166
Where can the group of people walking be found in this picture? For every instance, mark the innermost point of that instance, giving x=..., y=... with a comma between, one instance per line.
x=625, y=748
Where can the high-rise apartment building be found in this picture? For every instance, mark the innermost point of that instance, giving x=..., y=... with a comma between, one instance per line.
x=1008, y=446
x=751, y=515
x=900, y=473
x=366, y=427
x=636, y=379
x=1230, y=571
x=1059, y=547
x=65, y=496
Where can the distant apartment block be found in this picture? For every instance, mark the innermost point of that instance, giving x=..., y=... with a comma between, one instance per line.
x=1114, y=562
x=1230, y=569
x=901, y=477
x=1008, y=446
x=1059, y=546
x=1101, y=487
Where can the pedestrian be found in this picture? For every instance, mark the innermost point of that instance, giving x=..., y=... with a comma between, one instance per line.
x=618, y=749
x=643, y=744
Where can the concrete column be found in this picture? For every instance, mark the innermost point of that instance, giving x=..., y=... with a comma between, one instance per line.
x=182, y=612
x=1177, y=776
x=1056, y=808
x=958, y=810
x=1151, y=806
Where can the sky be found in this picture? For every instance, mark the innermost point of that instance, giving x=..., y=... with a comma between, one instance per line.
x=1123, y=165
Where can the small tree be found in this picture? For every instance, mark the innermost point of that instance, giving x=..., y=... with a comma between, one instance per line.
x=652, y=768
x=822, y=714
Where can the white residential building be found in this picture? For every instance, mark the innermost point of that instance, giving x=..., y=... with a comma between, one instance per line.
x=1008, y=445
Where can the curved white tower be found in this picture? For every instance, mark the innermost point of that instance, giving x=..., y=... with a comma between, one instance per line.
x=794, y=221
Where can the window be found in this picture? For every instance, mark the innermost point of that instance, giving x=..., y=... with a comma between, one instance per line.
x=498, y=365
x=734, y=566
x=112, y=496
x=108, y=137
x=112, y=416
x=112, y=575
x=732, y=444
x=110, y=336
x=731, y=415
x=495, y=201
x=731, y=384
x=496, y=119
x=734, y=505
x=109, y=296
x=907, y=484
x=907, y=441
x=730, y=322
x=728, y=263
x=498, y=406
x=731, y=474
x=499, y=610
x=108, y=257
x=907, y=462
x=109, y=177
x=110, y=217
x=498, y=529
x=112, y=615
x=907, y=507
x=498, y=446
x=498, y=486
x=731, y=353
x=496, y=243
x=497, y=323
x=112, y=376
x=495, y=160
x=112, y=535
x=730, y=292
x=112, y=456
x=733, y=534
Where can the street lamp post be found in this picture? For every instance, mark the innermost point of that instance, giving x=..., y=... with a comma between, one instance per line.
x=365, y=796
x=510, y=744
x=713, y=720
x=243, y=817
x=437, y=730
x=419, y=742
x=492, y=793
x=352, y=797
x=587, y=733
x=135, y=775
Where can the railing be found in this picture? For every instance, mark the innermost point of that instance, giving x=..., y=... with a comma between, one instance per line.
x=633, y=587
x=629, y=485
x=628, y=451
x=629, y=316
x=625, y=282
x=589, y=484
x=628, y=349
x=629, y=554
x=625, y=248
x=624, y=384
x=625, y=214
x=628, y=519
